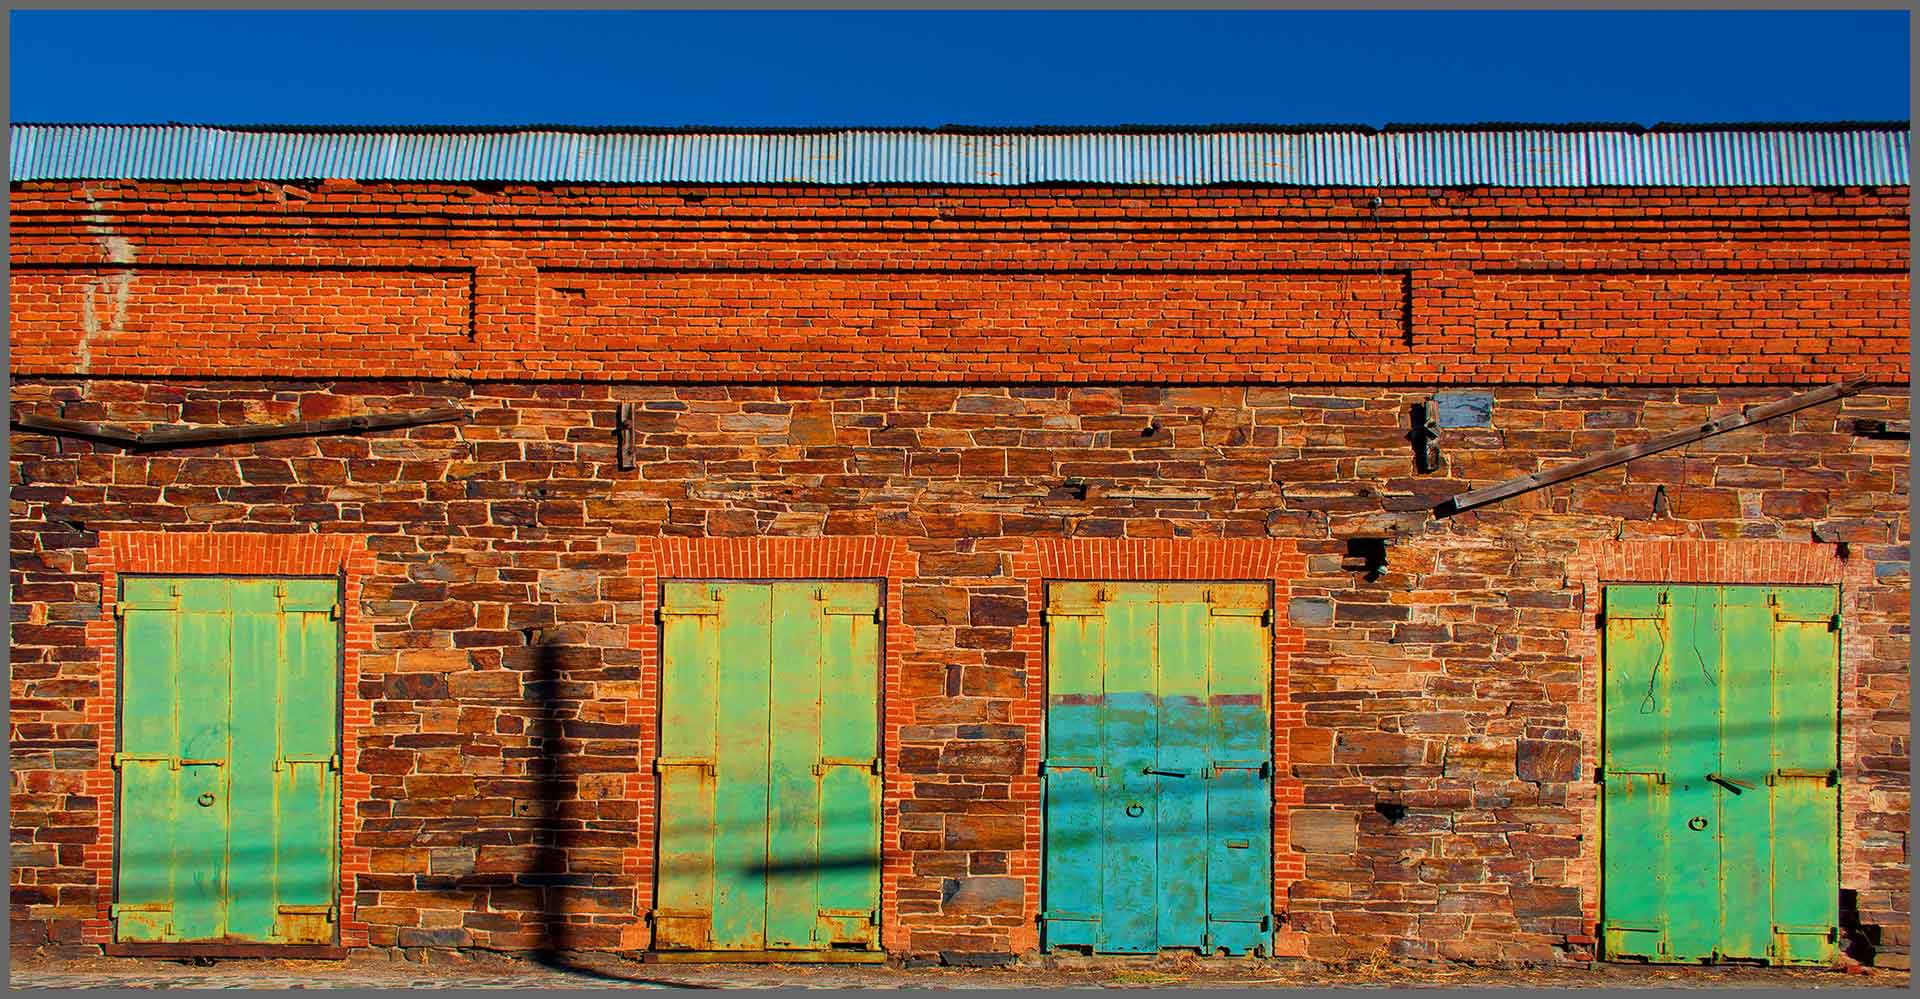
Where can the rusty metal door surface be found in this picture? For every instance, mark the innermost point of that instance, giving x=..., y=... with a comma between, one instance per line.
x=229, y=761
x=769, y=767
x=1720, y=804
x=1158, y=769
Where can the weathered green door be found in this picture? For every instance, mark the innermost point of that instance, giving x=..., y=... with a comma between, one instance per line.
x=769, y=767
x=228, y=761
x=1158, y=767
x=1721, y=802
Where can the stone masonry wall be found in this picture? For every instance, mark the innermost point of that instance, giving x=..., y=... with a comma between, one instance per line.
x=965, y=373
x=508, y=712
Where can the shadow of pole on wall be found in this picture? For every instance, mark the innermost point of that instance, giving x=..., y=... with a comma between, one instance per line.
x=547, y=871
x=553, y=787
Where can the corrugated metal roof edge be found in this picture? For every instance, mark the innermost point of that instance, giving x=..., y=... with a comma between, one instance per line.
x=1424, y=157
x=1254, y=127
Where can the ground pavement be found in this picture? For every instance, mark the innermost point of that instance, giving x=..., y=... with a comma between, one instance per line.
x=443, y=970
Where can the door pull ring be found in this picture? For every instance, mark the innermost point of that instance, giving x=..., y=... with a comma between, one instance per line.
x=1134, y=810
x=1697, y=823
x=206, y=799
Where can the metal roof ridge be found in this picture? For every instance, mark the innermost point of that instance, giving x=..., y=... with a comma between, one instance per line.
x=1280, y=128
x=1508, y=155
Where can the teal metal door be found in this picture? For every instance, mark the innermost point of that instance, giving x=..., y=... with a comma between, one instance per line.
x=229, y=761
x=1719, y=759
x=1158, y=768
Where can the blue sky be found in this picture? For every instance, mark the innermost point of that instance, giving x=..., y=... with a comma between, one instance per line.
x=786, y=68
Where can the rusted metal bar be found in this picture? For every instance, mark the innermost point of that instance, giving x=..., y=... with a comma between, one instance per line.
x=1621, y=455
x=157, y=439
x=307, y=428
x=59, y=427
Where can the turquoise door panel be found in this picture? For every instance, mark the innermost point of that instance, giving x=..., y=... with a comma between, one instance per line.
x=1720, y=809
x=1129, y=920
x=1180, y=773
x=1158, y=784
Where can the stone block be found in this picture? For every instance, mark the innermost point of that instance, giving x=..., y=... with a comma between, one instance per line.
x=1323, y=830
x=1310, y=612
x=1547, y=762
x=992, y=895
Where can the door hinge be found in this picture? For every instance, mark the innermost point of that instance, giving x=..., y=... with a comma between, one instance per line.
x=1073, y=764
x=662, y=762
x=878, y=613
x=114, y=910
x=119, y=759
x=660, y=614
x=869, y=763
x=1263, y=610
x=172, y=603
x=872, y=916
x=1831, y=620
x=1831, y=775
x=332, y=762
x=1093, y=608
x=332, y=912
x=1055, y=916
x=1659, y=776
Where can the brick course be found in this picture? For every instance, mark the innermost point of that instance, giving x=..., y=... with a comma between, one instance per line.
x=505, y=567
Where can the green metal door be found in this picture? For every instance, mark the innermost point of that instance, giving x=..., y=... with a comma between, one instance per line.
x=228, y=763
x=1158, y=768
x=1721, y=784
x=769, y=767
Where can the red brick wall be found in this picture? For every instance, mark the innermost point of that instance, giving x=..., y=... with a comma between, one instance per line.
x=1229, y=285
x=263, y=320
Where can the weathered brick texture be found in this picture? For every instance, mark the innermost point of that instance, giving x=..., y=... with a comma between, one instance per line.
x=888, y=286
x=1439, y=719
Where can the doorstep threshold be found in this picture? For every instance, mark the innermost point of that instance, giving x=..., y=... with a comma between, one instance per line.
x=766, y=957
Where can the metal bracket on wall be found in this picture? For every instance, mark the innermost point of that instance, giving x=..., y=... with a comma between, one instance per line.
x=624, y=434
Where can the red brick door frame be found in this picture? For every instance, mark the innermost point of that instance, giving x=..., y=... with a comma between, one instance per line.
x=655, y=561
x=1277, y=562
x=1598, y=564
x=118, y=553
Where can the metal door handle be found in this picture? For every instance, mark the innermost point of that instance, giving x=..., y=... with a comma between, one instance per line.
x=1165, y=773
x=201, y=763
x=1730, y=783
